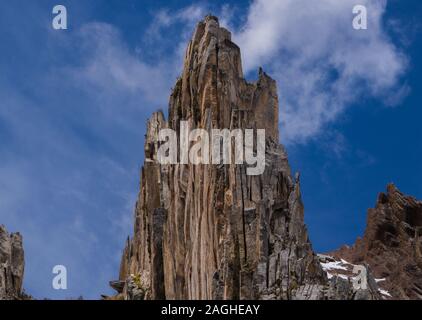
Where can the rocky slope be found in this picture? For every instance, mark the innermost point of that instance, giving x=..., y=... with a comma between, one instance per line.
x=212, y=231
x=11, y=265
x=391, y=245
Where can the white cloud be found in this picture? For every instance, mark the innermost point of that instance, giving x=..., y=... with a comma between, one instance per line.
x=164, y=18
x=110, y=67
x=170, y=31
x=322, y=65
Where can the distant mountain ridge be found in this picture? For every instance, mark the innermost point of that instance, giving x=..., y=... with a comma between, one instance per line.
x=392, y=244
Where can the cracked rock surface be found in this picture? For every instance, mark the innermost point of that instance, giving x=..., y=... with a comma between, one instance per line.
x=212, y=231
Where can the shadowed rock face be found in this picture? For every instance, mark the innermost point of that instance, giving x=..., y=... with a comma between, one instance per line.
x=11, y=265
x=212, y=231
x=392, y=244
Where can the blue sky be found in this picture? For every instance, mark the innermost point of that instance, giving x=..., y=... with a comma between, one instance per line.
x=73, y=107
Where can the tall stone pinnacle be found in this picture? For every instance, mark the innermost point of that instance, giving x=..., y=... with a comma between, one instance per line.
x=212, y=231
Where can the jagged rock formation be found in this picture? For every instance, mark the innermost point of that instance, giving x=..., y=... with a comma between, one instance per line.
x=11, y=265
x=212, y=231
x=391, y=245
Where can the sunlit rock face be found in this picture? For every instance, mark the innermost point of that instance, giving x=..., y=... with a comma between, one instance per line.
x=11, y=265
x=392, y=244
x=212, y=231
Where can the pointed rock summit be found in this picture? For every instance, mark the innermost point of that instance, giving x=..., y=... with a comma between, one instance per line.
x=392, y=245
x=212, y=231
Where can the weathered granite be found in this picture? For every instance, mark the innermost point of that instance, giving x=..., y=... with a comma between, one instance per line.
x=212, y=231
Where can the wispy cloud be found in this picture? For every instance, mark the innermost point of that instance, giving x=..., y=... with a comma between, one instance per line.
x=109, y=68
x=322, y=64
x=165, y=18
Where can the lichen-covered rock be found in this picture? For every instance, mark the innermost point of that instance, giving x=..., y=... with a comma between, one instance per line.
x=138, y=286
x=11, y=265
x=212, y=231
